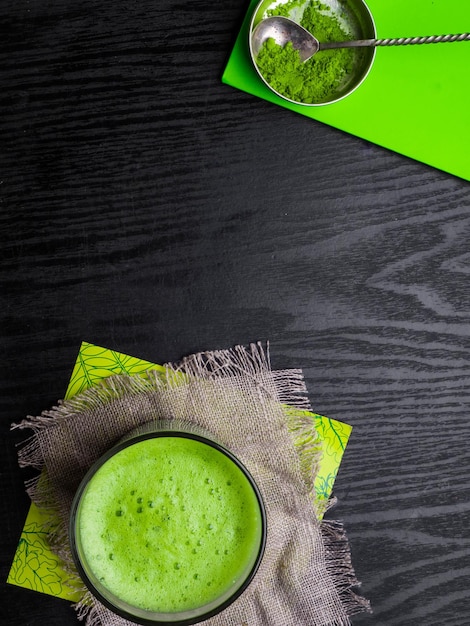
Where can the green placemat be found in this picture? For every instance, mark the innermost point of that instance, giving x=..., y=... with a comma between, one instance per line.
x=415, y=100
x=36, y=567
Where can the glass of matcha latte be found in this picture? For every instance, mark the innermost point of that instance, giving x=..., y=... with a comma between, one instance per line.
x=168, y=527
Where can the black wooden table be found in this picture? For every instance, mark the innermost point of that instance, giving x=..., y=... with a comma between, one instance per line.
x=149, y=208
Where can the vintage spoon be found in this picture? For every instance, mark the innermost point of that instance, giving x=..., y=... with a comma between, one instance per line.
x=283, y=29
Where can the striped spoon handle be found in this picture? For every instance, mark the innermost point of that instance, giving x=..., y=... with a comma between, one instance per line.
x=398, y=41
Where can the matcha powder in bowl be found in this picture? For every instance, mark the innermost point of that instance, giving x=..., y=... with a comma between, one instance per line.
x=329, y=75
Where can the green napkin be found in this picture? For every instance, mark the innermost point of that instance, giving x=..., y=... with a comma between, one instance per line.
x=36, y=567
x=415, y=100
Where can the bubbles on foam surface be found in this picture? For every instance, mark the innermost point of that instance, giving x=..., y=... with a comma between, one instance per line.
x=207, y=507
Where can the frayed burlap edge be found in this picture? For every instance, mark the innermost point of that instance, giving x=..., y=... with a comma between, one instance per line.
x=287, y=387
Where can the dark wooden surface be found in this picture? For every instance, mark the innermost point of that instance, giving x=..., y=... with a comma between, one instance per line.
x=149, y=208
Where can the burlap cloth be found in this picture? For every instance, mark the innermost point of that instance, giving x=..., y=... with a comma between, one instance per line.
x=306, y=576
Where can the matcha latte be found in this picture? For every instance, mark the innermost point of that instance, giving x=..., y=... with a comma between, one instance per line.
x=167, y=529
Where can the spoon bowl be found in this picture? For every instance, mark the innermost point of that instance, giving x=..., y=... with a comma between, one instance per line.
x=283, y=30
x=355, y=19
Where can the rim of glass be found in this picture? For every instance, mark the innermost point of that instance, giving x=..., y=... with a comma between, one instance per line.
x=136, y=614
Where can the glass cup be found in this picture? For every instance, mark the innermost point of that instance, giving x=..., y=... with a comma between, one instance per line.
x=168, y=526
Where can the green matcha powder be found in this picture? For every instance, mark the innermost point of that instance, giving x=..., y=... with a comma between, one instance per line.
x=317, y=79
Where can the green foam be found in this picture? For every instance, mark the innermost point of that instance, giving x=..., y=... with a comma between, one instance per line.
x=169, y=524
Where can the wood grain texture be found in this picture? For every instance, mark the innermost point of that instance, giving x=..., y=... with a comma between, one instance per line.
x=148, y=208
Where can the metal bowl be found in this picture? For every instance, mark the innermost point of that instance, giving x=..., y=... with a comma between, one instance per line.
x=355, y=19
